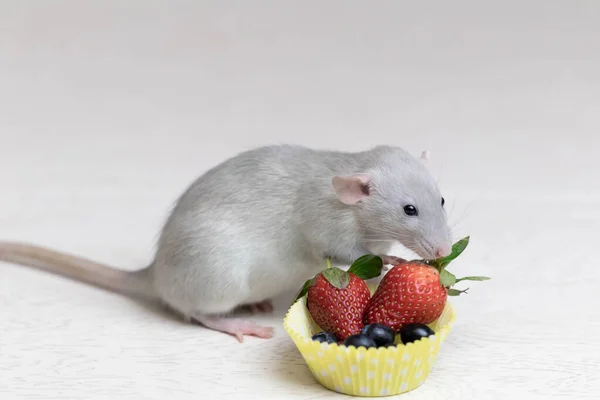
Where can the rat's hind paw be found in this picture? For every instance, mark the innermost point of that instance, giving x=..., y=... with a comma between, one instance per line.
x=236, y=327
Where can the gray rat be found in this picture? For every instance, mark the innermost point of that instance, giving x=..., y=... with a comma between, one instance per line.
x=261, y=223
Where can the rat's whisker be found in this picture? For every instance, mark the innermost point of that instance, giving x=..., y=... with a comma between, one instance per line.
x=464, y=213
x=384, y=233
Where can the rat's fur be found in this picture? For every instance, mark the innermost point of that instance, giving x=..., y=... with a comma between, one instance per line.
x=262, y=222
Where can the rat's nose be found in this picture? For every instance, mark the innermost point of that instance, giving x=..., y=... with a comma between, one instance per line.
x=442, y=251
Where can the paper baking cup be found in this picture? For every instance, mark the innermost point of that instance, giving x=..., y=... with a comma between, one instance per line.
x=366, y=372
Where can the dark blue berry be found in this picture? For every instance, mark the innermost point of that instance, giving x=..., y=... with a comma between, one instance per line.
x=325, y=337
x=381, y=334
x=413, y=332
x=359, y=340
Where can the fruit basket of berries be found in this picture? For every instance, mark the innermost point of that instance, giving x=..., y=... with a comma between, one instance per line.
x=373, y=340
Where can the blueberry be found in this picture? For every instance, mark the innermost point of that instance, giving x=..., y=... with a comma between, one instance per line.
x=389, y=345
x=359, y=340
x=325, y=337
x=381, y=334
x=413, y=332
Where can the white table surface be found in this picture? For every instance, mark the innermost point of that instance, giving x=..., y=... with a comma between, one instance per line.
x=109, y=109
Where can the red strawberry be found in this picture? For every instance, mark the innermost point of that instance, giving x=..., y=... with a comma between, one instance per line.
x=409, y=293
x=415, y=291
x=336, y=301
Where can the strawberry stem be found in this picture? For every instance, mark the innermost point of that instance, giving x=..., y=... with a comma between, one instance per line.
x=328, y=262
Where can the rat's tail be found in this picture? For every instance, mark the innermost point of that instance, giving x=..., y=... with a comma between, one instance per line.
x=136, y=283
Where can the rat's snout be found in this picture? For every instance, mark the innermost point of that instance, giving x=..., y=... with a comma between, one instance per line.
x=442, y=251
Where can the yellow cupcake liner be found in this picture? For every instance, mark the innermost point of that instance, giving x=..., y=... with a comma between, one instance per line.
x=366, y=372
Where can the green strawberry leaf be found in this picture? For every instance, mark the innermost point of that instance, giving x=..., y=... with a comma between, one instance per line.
x=473, y=278
x=457, y=250
x=338, y=278
x=447, y=279
x=305, y=288
x=367, y=267
x=310, y=282
x=456, y=292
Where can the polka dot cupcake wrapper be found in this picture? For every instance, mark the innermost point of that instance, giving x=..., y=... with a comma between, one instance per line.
x=366, y=372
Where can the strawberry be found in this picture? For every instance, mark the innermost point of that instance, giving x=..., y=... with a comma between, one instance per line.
x=415, y=291
x=410, y=292
x=336, y=299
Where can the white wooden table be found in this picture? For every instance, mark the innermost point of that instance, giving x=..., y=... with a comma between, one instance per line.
x=108, y=111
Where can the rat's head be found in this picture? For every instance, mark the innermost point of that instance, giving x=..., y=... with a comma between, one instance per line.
x=396, y=198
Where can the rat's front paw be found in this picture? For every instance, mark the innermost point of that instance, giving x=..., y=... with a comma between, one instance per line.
x=391, y=260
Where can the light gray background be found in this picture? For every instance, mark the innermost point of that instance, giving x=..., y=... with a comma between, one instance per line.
x=108, y=110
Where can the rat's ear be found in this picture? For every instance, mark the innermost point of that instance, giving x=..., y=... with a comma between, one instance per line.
x=351, y=189
x=425, y=156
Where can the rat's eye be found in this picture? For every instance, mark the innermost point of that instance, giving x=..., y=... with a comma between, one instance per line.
x=443, y=202
x=410, y=210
